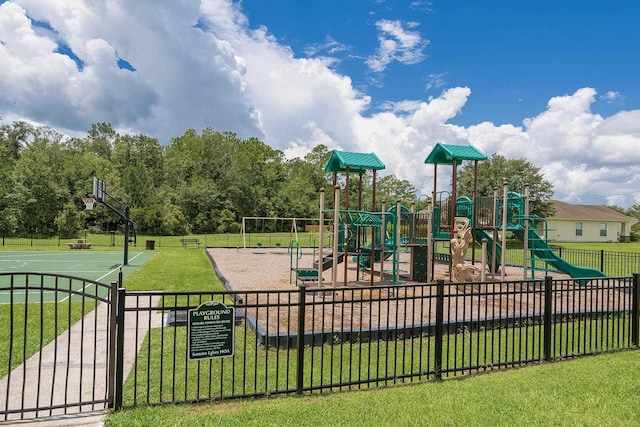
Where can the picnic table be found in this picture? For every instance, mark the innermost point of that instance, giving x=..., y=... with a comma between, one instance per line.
x=79, y=244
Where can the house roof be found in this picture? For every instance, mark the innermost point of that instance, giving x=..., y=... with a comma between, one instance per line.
x=588, y=213
x=356, y=162
x=446, y=153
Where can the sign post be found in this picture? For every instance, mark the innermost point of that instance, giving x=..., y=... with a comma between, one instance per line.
x=211, y=331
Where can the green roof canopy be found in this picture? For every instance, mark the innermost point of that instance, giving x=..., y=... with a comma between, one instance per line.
x=446, y=153
x=356, y=162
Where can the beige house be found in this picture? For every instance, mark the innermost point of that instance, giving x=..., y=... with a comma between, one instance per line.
x=588, y=223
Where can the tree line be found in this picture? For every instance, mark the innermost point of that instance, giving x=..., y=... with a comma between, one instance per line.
x=199, y=183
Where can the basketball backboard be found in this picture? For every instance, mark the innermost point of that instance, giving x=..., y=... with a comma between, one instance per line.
x=99, y=189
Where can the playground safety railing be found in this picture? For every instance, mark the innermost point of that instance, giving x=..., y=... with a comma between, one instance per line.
x=305, y=341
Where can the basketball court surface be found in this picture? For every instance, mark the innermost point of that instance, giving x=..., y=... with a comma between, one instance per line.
x=95, y=266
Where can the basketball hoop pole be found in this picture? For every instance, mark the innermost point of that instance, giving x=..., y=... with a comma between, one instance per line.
x=100, y=194
x=127, y=224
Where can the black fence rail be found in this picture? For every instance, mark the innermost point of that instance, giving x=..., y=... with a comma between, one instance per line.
x=226, y=240
x=74, y=345
x=56, y=345
x=311, y=340
x=611, y=263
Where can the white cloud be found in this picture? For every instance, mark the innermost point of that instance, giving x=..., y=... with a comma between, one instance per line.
x=181, y=72
x=611, y=96
x=330, y=46
x=199, y=63
x=588, y=158
x=436, y=81
x=397, y=43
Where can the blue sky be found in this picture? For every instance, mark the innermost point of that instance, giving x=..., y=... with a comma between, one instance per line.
x=515, y=55
x=554, y=82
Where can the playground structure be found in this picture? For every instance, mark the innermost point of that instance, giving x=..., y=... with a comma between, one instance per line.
x=373, y=240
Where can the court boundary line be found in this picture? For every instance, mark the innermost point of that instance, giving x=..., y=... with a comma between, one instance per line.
x=85, y=287
x=82, y=289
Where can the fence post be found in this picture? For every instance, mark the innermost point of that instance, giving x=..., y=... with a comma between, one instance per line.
x=548, y=316
x=439, y=328
x=635, y=311
x=300, y=338
x=113, y=312
x=602, y=260
x=119, y=375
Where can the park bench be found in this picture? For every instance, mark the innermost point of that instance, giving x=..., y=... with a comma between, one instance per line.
x=79, y=244
x=187, y=242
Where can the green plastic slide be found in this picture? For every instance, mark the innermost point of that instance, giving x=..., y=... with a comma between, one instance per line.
x=541, y=250
x=481, y=234
x=365, y=261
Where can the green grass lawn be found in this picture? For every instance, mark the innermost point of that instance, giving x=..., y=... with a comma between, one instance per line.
x=67, y=314
x=171, y=269
x=611, y=247
x=592, y=391
x=175, y=270
x=163, y=374
x=600, y=390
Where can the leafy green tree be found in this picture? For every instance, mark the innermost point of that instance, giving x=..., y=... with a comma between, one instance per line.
x=143, y=153
x=390, y=187
x=192, y=156
x=635, y=232
x=7, y=163
x=297, y=195
x=79, y=170
x=16, y=137
x=148, y=219
x=634, y=210
x=100, y=139
x=228, y=223
x=317, y=159
x=253, y=178
x=173, y=221
x=69, y=221
x=39, y=187
x=498, y=169
x=201, y=202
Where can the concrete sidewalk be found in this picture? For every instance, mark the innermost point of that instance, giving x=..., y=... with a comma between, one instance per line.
x=73, y=371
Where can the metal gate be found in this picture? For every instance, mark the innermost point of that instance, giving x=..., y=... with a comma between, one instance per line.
x=57, y=345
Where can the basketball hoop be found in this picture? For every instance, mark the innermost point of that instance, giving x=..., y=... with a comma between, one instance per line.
x=89, y=202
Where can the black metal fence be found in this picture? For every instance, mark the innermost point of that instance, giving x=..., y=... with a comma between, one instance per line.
x=226, y=240
x=311, y=340
x=92, y=347
x=55, y=345
x=611, y=263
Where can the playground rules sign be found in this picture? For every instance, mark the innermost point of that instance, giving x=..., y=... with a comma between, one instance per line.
x=210, y=331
